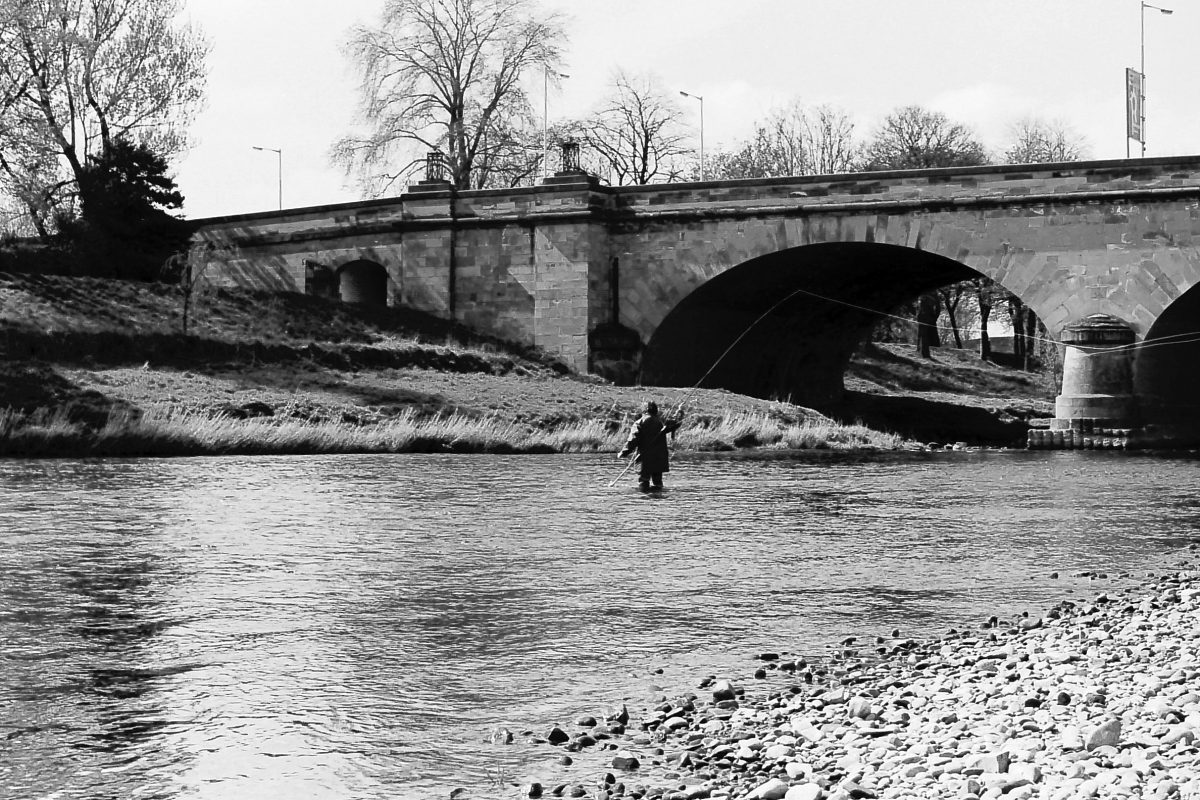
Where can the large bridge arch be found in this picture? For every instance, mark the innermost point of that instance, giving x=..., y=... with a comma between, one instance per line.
x=1165, y=377
x=785, y=324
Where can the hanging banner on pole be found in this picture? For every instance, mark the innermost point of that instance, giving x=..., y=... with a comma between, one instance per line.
x=1133, y=105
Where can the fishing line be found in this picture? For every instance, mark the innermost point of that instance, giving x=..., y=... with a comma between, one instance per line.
x=720, y=358
x=1173, y=339
x=1163, y=341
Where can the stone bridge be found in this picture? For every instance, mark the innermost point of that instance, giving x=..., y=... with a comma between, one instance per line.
x=765, y=287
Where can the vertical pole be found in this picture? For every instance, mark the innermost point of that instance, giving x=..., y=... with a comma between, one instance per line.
x=1143, y=81
x=279, y=152
x=703, y=175
x=545, y=119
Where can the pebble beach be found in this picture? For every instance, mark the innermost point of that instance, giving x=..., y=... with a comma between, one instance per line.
x=1095, y=698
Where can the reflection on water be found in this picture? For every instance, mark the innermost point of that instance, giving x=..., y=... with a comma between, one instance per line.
x=356, y=626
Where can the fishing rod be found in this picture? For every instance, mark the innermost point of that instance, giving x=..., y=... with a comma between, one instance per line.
x=696, y=385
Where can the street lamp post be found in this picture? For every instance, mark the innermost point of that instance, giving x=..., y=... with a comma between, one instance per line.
x=546, y=118
x=701, y=99
x=278, y=153
x=1143, y=119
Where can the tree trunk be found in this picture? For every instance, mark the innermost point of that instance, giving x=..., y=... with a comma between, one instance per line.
x=953, y=317
x=985, y=341
x=928, y=309
x=1031, y=324
x=1016, y=318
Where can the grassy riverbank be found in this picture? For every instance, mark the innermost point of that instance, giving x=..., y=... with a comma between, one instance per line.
x=92, y=367
x=1096, y=698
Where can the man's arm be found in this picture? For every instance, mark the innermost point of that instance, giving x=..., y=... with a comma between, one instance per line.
x=635, y=436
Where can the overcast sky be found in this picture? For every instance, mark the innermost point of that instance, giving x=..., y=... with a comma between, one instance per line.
x=278, y=79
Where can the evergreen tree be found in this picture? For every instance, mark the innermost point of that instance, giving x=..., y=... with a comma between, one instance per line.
x=125, y=230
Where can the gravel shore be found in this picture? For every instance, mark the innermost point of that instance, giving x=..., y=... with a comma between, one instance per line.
x=1094, y=699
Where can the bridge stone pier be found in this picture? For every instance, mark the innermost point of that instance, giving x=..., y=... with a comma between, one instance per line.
x=766, y=287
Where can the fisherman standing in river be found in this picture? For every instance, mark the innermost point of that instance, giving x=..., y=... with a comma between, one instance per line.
x=649, y=439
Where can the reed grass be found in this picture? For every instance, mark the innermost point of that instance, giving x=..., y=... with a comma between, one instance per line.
x=742, y=429
x=167, y=430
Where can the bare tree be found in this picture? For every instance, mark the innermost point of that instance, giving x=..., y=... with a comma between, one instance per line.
x=444, y=75
x=794, y=140
x=76, y=75
x=987, y=294
x=637, y=132
x=1025, y=326
x=916, y=138
x=951, y=299
x=1035, y=141
x=830, y=133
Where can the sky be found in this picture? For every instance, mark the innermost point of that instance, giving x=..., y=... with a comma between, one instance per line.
x=278, y=78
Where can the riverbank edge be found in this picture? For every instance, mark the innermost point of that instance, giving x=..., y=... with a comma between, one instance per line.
x=81, y=359
x=1094, y=698
x=165, y=430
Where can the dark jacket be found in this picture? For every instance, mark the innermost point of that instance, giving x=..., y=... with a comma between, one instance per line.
x=649, y=438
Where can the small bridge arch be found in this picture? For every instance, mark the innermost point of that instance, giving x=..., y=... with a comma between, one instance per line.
x=363, y=282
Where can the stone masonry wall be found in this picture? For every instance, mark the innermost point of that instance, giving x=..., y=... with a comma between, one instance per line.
x=1130, y=259
x=533, y=264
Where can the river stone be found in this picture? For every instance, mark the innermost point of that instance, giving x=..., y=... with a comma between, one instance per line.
x=804, y=791
x=624, y=759
x=774, y=789
x=991, y=763
x=777, y=751
x=1107, y=734
x=1158, y=707
x=557, y=736
x=1177, y=733
x=1024, y=771
x=859, y=707
x=1071, y=737
x=802, y=727
x=723, y=690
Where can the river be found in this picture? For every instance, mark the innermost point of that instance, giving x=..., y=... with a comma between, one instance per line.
x=357, y=627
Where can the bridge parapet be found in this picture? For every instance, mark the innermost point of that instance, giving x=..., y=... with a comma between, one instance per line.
x=914, y=188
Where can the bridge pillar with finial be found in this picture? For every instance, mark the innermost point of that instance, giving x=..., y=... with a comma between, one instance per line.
x=1097, y=400
x=435, y=174
x=569, y=170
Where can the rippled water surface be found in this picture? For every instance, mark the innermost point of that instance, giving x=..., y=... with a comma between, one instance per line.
x=355, y=627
